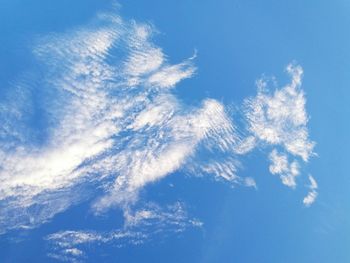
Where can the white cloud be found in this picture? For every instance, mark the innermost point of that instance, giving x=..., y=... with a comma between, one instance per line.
x=312, y=194
x=173, y=136
x=169, y=76
x=140, y=226
x=245, y=145
x=280, y=165
x=250, y=182
x=112, y=123
x=280, y=118
x=310, y=198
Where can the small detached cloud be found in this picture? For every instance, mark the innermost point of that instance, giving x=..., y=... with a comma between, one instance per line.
x=312, y=194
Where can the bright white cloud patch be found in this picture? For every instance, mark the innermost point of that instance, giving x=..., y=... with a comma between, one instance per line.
x=110, y=121
x=278, y=118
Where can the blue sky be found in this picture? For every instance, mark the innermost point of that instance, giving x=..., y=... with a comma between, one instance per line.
x=162, y=131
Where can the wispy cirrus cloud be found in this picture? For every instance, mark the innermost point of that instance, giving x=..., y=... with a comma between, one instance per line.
x=310, y=198
x=111, y=125
x=142, y=225
x=110, y=122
